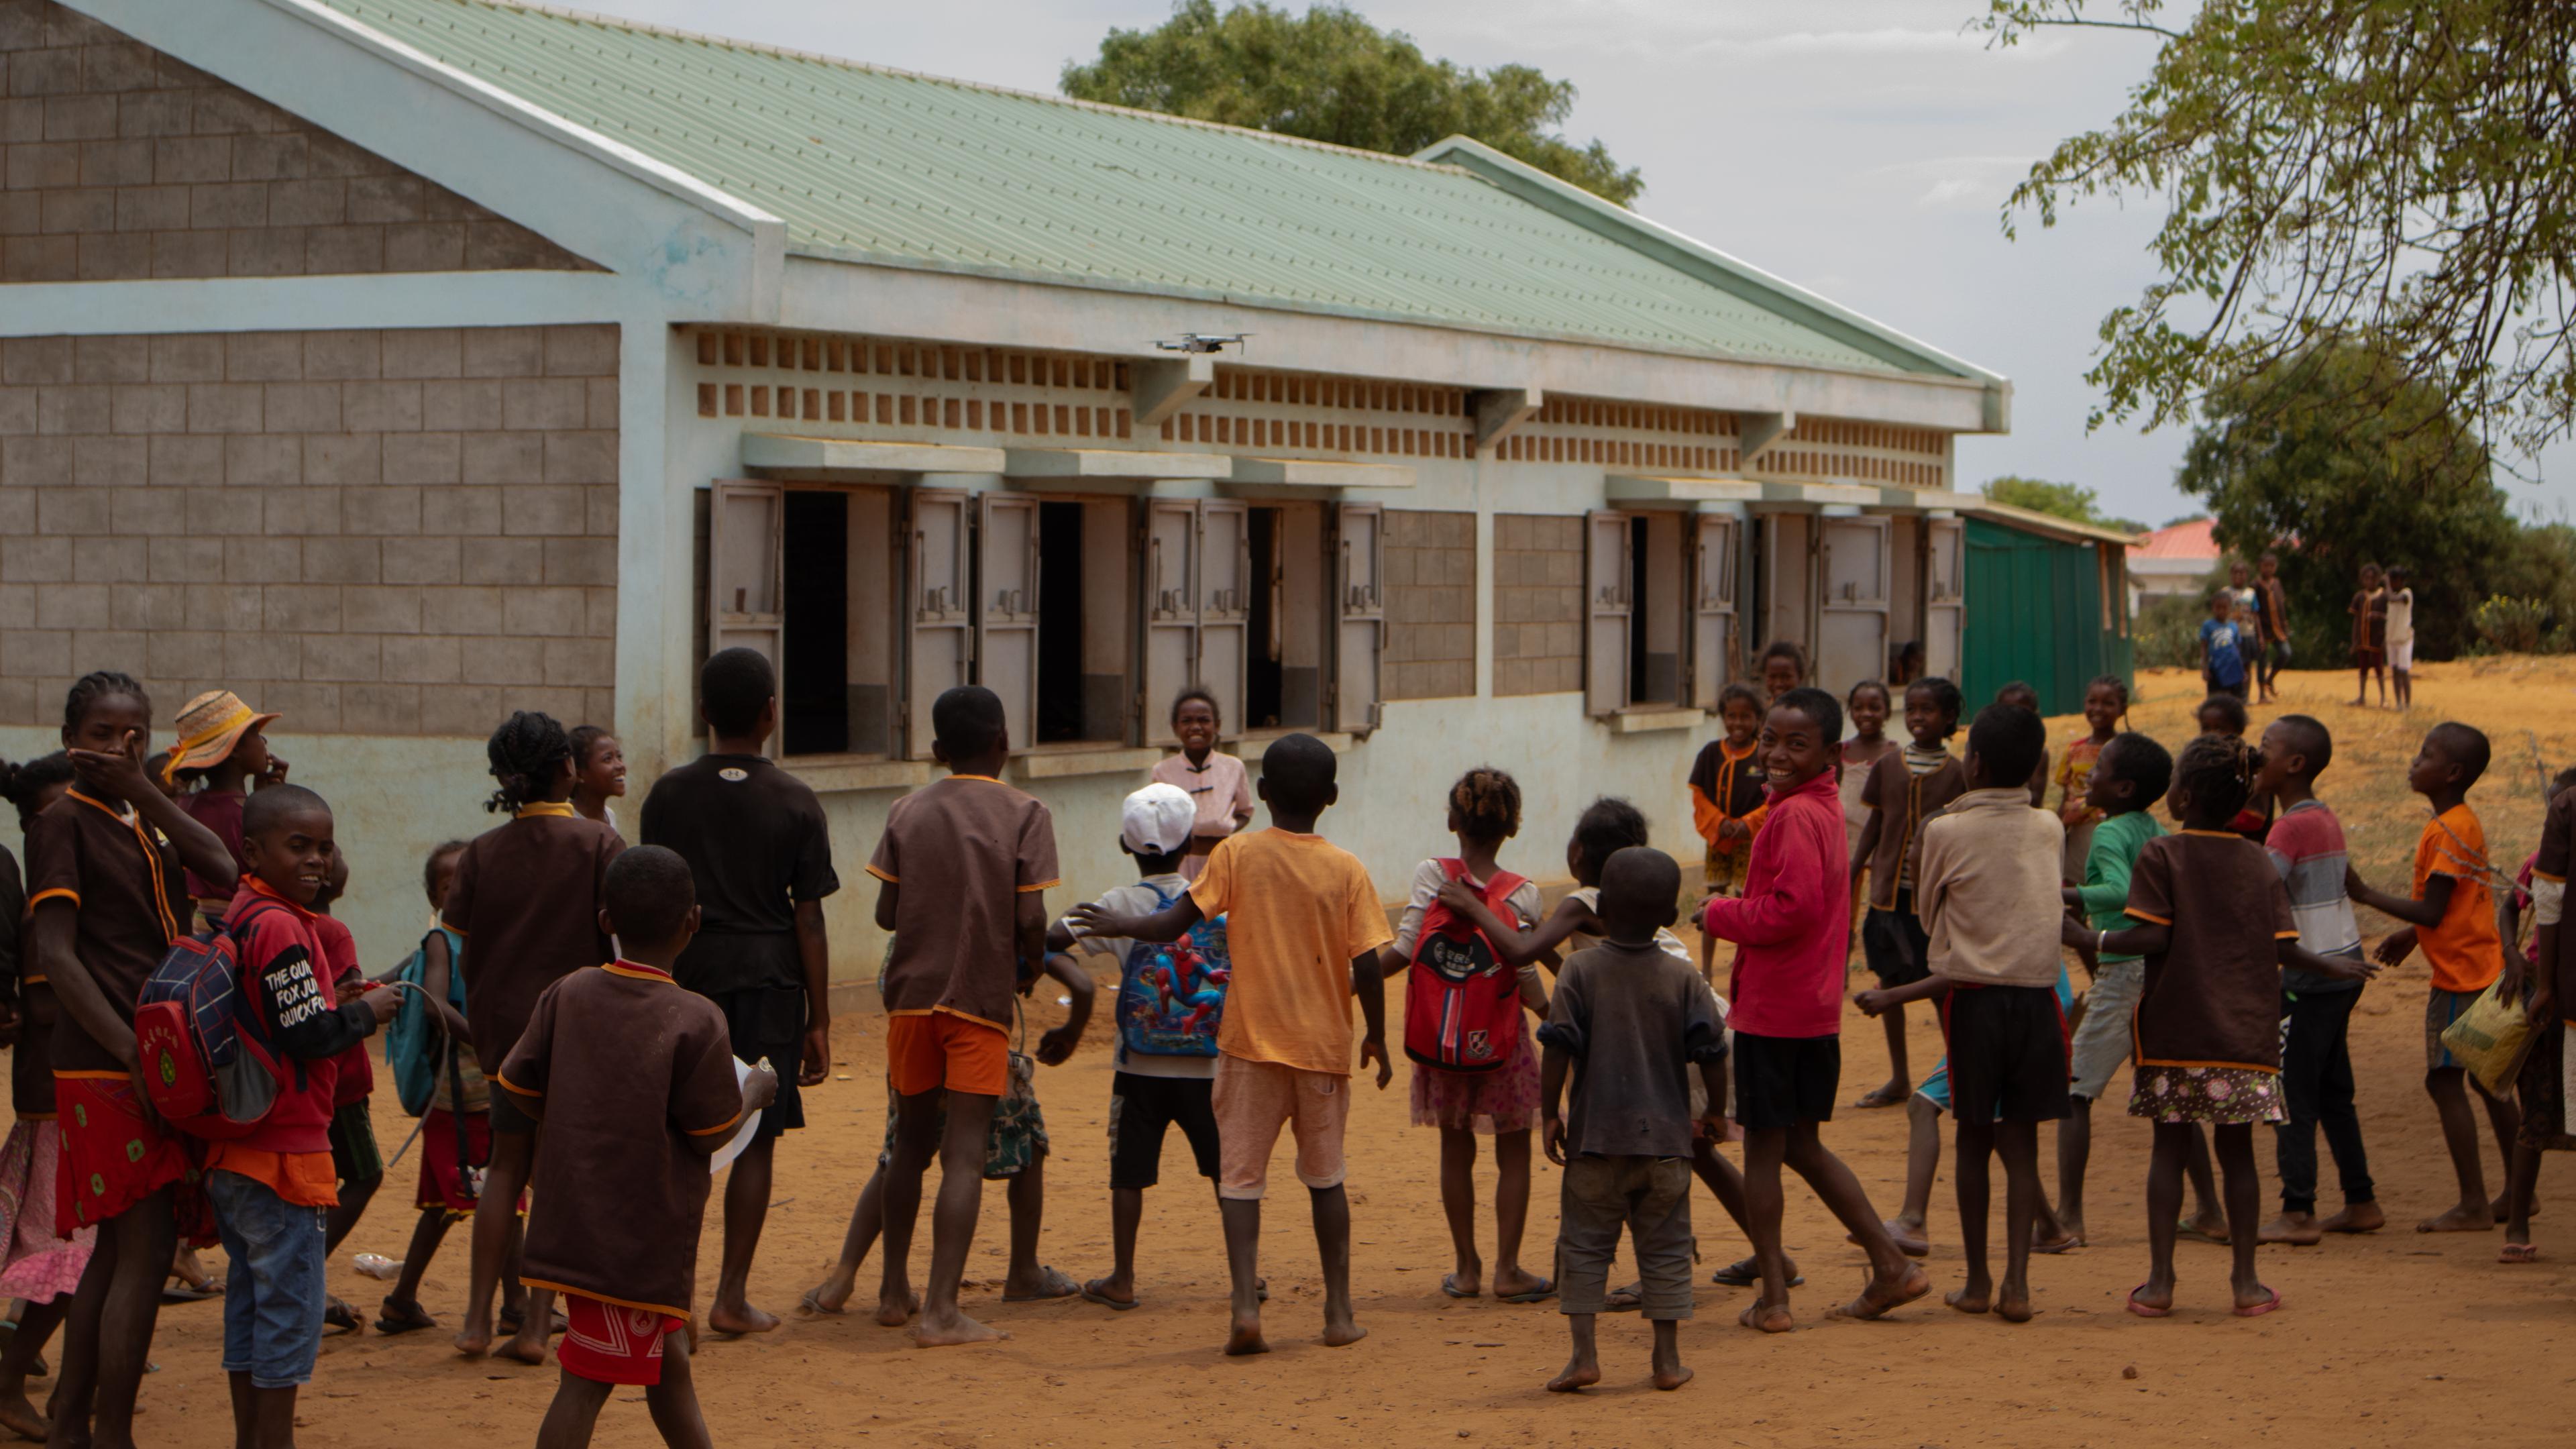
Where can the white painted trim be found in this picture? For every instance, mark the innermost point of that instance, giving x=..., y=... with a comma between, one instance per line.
x=1777, y=491
x=1112, y=463
x=793, y=453
x=1316, y=473
x=656, y=563
x=1621, y=488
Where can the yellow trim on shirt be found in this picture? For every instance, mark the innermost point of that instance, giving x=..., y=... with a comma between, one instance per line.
x=2539, y=874
x=665, y=1309
x=1044, y=885
x=2213, y=835
x=513, y=1086
x=945, y=1011
x=63, y=1076
x=2159, y=920
x=54, y=893
x=613, y=969
x=726, y=1125
x=544, y=807
x=987, y=779
x=881, y=875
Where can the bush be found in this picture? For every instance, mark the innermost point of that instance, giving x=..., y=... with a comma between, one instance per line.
x=2168, y=631
x=2509, y=625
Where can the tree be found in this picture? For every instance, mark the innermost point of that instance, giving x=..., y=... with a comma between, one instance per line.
x=2337, y=171
x=2290, y=462
x=2071, y=501
x=1329, y=75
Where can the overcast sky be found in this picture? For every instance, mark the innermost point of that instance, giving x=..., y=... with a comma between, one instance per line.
x=1861, y=148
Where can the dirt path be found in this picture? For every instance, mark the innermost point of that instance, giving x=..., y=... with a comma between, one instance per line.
x=2386, y=1339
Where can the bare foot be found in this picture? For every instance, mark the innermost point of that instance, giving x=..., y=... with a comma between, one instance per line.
x=832, y=1295
x=896, y=1312
x=1245, y=1339
x=2463, y=1219
x=2014, y=1307
x=1884, y=1296
x=1342, y=1331
x=1768, y=1317
x=1890, y=1093
x=1911, y=1239
x=1970, y=1300
x=734, y=1322
x=522, y=1349
x=2206, y=1227
x=2356, y=1217
x=2299, y=1230
x=2067, y=1240
x=20, y=1418
x=953, y=1331
x=1580, y=1374
x=475, y=1339
x=1510, y=1283
x=1669, y=1379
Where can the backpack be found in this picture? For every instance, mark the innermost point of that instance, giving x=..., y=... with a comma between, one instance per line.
x=416, y=1044
x=1462, y=1007
x=208, y=1066
x=1171, y=995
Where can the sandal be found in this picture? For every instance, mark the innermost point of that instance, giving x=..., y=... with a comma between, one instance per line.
x=2268, y=1305
x=1625, y=1300
x=1051, y=1285
x=1747, y=1273
x=2141, y=1309
x=1545, y=1290
x=1091, y=1293
x=391, y=1320
x=2519, y=1253
x=338, y=1319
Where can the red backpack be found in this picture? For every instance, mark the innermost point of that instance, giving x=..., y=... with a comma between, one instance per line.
x=207, y=1063
x=1462, y=1005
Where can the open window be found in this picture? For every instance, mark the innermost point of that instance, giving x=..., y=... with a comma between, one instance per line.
x=1051, y=619
x=1851, y=622
x=809, y=577
x=1787, y=577
x=1639, y=615
x=1944, y=595
x=1359, y=644
x=1285, y=665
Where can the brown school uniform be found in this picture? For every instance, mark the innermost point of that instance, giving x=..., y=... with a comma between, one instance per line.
x=526, y=899
x=2213, y=996
x=130, y=899
x=626, y=1064
x=971, y=846
x=31, y=1061
x=1904, y=801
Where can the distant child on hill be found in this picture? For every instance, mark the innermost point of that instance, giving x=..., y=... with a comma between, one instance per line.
x=599, y=775
x=1218, y=787
x=1904, y=789
x=2272, y=604
x=981, y=856
x=2369, y=610
x=1304, y=926
x=2452, y=916
x=2306, y=847
x=1633, y=1025
x=637, y=1083
x=1790, y=928
x=2222, y=664
x=2021, y=696
x=2248, y=618
x=222, y=756
x=2215, y=927
x=2106, y=703
x=1503, y=1101
x=1784, y=668
x=2400, y=631
x=2542, y=1086
x=1726, y=794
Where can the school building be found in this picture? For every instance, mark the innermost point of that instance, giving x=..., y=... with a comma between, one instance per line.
x=400, y=362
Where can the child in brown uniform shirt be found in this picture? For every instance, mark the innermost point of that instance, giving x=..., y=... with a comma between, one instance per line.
x=637, y=1078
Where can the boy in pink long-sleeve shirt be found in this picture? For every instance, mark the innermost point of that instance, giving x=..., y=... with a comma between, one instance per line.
x=1789, y=927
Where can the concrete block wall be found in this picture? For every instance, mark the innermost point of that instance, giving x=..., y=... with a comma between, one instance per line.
x=117, y=162
x=1429, y=575
x=381, y=533
x=1538, y=603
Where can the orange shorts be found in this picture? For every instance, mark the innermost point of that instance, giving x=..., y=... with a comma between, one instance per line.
x=929, y=1050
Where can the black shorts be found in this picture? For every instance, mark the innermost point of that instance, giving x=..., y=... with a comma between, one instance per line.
x=2008, y=1054
x=1141, y=1107
x=1781, y=1081
x=769, y=1021
x=354, y=1154
x=1898, y=949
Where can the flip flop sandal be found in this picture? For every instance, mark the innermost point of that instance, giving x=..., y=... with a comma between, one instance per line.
x=1540, y=1294
x=2268, y=1305
x=1091, y=1294
x=182, y=1293
x=337, y=1318
x=1630, y=1299
x=1744, y=1273
x=389, y=1326
x=1449, y=1285
x=2184, y=1229
x=2519, y=1253
x=2141, y=1309
x=1053, y=1285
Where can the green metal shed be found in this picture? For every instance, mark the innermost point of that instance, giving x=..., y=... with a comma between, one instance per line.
x=2046, y=603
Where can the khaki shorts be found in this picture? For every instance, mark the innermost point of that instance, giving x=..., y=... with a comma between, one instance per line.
x=1253, y=1100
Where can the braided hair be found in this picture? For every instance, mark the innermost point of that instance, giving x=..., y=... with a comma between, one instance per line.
x=102, y=684
x=2119, y=689
x=526, y=752
x=21, y=783
x=2217, y=771
x=1486, y=804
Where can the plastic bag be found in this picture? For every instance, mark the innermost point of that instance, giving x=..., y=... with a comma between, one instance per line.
x=2489, y=1038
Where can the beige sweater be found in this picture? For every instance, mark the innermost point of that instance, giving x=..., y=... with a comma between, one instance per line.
x=1988, y=889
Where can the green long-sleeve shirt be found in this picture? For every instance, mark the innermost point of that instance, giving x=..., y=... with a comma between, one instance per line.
x=2105, y=892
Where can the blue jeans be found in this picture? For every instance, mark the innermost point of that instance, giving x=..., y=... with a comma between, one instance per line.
x=274, y=1293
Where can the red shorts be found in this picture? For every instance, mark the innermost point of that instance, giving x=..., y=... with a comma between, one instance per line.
x=445, y=1182
x=930, y=1050
x=113, y=1158
x=610, y=1343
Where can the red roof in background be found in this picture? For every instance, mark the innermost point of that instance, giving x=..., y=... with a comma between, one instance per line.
x=2181, y=540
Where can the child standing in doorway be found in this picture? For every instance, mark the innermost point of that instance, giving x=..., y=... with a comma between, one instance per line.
x=1215, y=781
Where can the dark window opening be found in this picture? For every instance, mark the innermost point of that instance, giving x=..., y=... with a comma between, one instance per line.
x=1060, y=679
x=815, y=690
x=1639, y=543
x=1263, y=674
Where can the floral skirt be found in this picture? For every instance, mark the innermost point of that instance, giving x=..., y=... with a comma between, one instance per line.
x=40, y=1267
x=1723, y=872
x=2217, y=1096
x=1502, y=1100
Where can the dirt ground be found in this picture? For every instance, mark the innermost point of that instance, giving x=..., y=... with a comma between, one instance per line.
x=2390, y=1338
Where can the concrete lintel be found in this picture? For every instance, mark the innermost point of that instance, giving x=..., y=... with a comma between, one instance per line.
x=1165, y=384
x=1503, y=411
x=1756, y=432
x=1637, y=491
x=1855, y=494
x=1929, y=499
x=1113, y=463
x=791, y=453
x=1649, y=721
x=1314, y=473
x=1063, y=764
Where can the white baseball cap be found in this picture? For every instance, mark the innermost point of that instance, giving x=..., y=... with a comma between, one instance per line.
x=1157, y=819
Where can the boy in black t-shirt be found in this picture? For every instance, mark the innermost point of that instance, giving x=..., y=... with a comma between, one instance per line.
x=761, y=855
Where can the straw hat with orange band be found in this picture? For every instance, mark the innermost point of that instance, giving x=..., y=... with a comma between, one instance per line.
x=209, y=728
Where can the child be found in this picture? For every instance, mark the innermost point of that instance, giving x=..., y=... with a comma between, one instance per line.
x=356, y=1161
x=2224, y=714
x=105, y=899
x=36, y=1267
x=760, y=853
x=221, y=756
x=2542, y=1086
x=1790, y=929
x=1866, y=709
x=1152, y=1092
x=2021, y=696
x=2272, y=609
x=2128, y=777
x=982, y=855
x=1903, y=790
x=639, y=1084
x=526, y=901
x=266, y=1185
x=1784, y=668
x=2247, y=617
x=2306, y=847
x=599, y=776
x=2106, y=703
x=1905, y=664
x=2399, y=627
x=1634, y=1025
x=1484, y=811
x=2222, y=666
x=2369, y=610
x=1726, y=795
x=2452, y=916
x=1304, y=926
x=2214, y=930
x=1215, y=782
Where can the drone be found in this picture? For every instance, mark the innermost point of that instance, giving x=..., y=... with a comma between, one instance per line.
x=1201, y=342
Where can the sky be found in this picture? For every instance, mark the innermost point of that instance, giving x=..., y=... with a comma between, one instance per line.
x=1860, y=148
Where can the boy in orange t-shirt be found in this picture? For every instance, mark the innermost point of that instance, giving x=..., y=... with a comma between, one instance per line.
x=1303, y=924
x=2451, y=915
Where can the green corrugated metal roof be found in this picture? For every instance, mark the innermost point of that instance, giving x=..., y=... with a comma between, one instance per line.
x=878, y=165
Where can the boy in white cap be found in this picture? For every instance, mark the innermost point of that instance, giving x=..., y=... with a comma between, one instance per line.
x=1170, y=999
